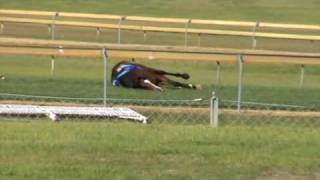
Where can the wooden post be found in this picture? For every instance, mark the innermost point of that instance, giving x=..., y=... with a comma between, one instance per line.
x=52, y=65
x=119, y=28
x=105, y=62
x=254, y=39
x=240, y=83
x=53, y=26
x=301, y=76
x=49, y=29
x=312, y=46
x=1, y=28
x=98, y=32
x=186, y=32
x=144, y=36
x=218, y=74
x=199, y=40
x=214, y=111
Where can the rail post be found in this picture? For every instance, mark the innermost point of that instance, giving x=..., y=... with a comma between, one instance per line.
x=53, y=26
x=144, y=36
x=52, y=65
x=1, y=27
x=302, y=75
x=214, y=111
x=98, y=31
x=49, y=29
x=187, y=25
x=218, y=74
x=240, y=81
x=199, y=40
x=119, y=28
x=105, y=63
x=60, y=49
x=254, y=39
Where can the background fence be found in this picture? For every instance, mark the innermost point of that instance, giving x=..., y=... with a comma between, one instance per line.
x=150, y=30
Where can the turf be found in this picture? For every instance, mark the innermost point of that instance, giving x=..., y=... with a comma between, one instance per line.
x=37, y=149
x=98, y=150
x=293, y=11
x=83, y=78
x=284, y=11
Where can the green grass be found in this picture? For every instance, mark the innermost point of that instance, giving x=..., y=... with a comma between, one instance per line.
x=164, y=39
x=36, y=149
x=98, y=150
x=286, y=11
x=293, y=11
x=83, y=78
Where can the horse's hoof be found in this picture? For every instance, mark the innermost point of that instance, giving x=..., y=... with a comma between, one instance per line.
x=159, y=89
x=198, y=87
x=185, y=76
x=2, y=78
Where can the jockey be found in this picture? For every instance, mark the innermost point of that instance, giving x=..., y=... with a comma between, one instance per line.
x=123, y=70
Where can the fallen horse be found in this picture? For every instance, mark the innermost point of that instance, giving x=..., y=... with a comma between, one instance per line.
x=133, y=75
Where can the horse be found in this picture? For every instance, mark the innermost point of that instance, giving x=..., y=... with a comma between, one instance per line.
x=133, y=75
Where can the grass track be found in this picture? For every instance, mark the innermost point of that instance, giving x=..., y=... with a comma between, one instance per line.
x=98, y=150
x=37, y=149
x=294, y=11
x=84, y=79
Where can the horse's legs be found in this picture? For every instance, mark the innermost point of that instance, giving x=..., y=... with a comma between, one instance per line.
x=161, y=72
x=146, y=84
x=183, y=85
x=182, y=75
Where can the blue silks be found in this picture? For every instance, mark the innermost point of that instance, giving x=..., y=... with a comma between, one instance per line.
x=124, y=70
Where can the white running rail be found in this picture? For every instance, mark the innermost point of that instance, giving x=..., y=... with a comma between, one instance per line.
x=53, y=112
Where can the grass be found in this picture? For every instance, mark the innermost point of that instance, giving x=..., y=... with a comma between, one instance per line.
x=286, y=11
x=293, y=11
x=98, y=150
x=83, y=78
x=168, y=39
x=37, y=149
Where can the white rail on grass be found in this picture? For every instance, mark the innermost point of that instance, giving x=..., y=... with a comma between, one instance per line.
x=53, y=112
